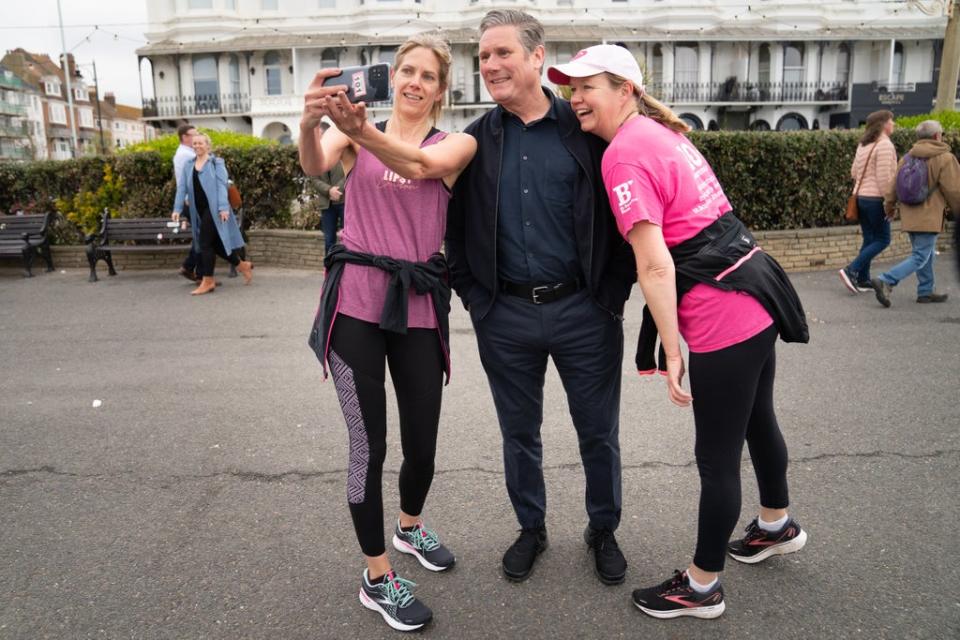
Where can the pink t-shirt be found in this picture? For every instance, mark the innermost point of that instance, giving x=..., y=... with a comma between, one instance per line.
x=653, y=174
x=389, y=215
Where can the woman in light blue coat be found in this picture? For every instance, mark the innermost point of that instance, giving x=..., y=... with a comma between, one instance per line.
x=205, y=182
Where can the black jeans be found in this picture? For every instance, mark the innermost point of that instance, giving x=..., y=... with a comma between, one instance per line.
x=516, y=337
x=733, y=401
x=358, y=351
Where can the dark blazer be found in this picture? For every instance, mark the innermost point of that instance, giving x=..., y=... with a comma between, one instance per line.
x=606, y=260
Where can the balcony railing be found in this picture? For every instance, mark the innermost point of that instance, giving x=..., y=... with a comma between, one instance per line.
x=11, y=82
x=15, y=153
x=200, y=105
x=11, y=130
x=12, y=109
x=748, y=92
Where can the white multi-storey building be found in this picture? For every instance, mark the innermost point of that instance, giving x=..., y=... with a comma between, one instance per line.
x=769, y=64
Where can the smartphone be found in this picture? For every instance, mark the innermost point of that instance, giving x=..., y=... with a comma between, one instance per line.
x=367, y=84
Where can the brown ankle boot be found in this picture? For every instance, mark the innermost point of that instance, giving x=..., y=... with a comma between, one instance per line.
x=246, y=269
x=207, y=285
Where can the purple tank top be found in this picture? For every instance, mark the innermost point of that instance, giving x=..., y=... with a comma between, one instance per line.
x=392, y=216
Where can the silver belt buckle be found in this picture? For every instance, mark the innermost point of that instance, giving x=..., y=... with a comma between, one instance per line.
x=536, y=291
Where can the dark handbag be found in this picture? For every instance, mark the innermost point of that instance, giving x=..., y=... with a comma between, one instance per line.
x=852, y=214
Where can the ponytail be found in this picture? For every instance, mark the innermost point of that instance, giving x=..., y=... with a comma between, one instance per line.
x=651, y=107
x=661, y=113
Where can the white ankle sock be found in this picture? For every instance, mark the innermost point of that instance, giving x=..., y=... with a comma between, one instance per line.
x=776, y=525
x=701, y=588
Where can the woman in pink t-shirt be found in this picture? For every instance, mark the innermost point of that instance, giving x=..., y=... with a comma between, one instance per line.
x=399, y=175
x=663, y=193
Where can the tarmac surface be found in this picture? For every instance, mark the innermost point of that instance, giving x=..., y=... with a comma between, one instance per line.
x=174, y=467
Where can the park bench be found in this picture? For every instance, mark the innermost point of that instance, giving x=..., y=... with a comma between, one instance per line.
x=131, y=235
x=27, y=236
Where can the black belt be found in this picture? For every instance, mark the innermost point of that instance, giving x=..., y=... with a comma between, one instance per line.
x=541, y=294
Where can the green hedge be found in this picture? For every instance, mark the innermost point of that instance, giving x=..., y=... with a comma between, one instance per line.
x=949, y=119
x=774, y=180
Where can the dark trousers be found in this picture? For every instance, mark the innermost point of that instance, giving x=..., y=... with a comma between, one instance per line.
x=192, y=261
x=876, y=236
x=330, y=220
x=211, y=246
x=358, y=351
x=515, y=339
x=733, y=401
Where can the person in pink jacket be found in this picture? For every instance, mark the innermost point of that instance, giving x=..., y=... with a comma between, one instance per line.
x=876, y=161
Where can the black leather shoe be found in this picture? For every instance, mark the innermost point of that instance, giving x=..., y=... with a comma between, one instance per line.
x=610, y=565
x=189, y=275
x=519, y=559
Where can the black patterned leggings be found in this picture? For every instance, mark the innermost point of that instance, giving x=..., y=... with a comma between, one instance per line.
x=358, y=352
x=733, y=402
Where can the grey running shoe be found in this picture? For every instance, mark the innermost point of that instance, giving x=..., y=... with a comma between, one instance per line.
x=392, y=599
x=424, y=545
x=883, y=290
x=758, y=544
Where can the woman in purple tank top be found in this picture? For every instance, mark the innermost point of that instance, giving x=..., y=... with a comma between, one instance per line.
x=386, y=300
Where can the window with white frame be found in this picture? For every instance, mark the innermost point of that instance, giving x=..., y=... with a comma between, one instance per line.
x=273, y=72
x=793, y=63
x=200, y=4
x=686, y=63
x=52, y=88
x=230, y=5
x=329, y=59
x=843, y=64
x=269, y=5
x=86, y=118
x=58, y=115
x=763, y=68
x=80, y=94
x=896, y=77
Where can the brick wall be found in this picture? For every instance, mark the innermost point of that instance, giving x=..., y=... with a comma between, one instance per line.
x=800, y=250
x=834, y=247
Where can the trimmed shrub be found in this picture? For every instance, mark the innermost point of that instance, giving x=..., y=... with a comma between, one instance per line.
x=167, y=145
x=774, y=180
x=949, y=119
x=84, y=208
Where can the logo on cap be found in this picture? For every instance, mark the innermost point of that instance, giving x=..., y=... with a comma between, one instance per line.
x=579, y=55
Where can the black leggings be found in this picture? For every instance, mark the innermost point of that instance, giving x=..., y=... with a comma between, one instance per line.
x=733, y=400
x=358, y=350
x=211, y=245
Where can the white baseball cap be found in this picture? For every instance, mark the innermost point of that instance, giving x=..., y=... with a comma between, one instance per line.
x=599, y=58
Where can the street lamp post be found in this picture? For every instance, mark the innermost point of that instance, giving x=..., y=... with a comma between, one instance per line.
x=66, y=75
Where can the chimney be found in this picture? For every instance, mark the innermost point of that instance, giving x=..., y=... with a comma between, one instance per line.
x=71, y=64
x=110, y=98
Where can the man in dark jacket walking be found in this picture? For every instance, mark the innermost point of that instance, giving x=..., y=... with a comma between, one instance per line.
x=923, y=220
x=535, y=255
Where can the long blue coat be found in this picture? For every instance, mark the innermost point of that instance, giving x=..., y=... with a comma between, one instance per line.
x=213, y=179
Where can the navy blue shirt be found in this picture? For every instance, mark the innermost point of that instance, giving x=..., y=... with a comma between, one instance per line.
x=536, y=241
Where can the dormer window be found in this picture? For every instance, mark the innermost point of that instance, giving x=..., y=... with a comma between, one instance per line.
x=79, y=94
x=52, y=88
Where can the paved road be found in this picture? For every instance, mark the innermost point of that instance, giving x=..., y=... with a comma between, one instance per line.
x=204, y=498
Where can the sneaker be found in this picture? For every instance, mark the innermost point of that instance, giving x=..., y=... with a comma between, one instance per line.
x=393, y=600
x=424, y=545
x=609, y=563
x=759, y=544
x=882, y=289
x=864, y=286
x=675, y=598
x=519, y=559
x=933, y=297
x=848, y=278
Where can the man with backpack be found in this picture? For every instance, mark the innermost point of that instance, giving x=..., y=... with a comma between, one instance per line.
x=928, y=181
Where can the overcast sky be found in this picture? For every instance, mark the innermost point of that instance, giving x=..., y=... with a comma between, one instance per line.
x=33, y=26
